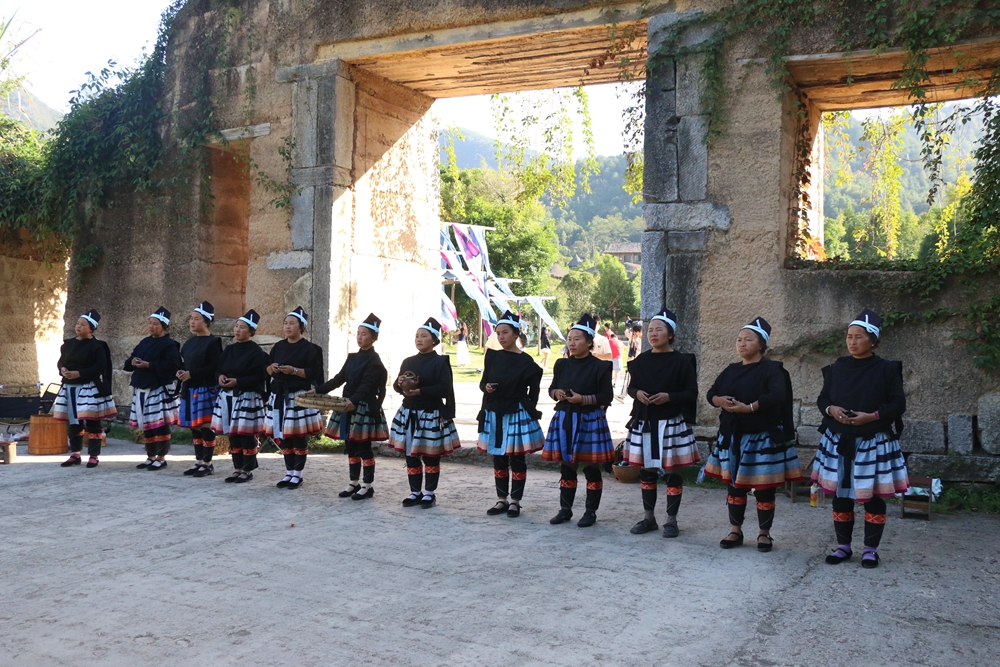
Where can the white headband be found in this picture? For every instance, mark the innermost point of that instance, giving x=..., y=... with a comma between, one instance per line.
x=664, y=318
x=243, y=319
x=301, y=318
x=754, y=327
x=584, y=328
x=511, y=323
x=162, y=318
x=866, y=325
x=437, y=333
x=209, y=316
x=370, y=326
x=90, y=319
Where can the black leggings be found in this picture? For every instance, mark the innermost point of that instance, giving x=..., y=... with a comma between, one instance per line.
x=736, y=503
x=518, y=473
x=843, y=520
x=95, y=437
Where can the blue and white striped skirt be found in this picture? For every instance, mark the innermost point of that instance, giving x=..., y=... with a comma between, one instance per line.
x=197, y=408
x=154, y=408
x=362, y=425
x=519, y=434
x=288, y=419
x=582, y=437
x=241, y=414
x=758, y=463
x=878, y=469
x=423, y=433
x=675, y=446
x=79, y=402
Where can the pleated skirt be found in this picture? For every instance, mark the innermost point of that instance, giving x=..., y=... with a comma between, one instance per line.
x=241, y=414
x=79, y=402
x=676, y=444
x=362, y=425
x=582, y=437
x=291, y=420
x=197, y=408
x=519, y=434
x=423, y=433
x=758, y=463
x=878, y=469
x=154, y=408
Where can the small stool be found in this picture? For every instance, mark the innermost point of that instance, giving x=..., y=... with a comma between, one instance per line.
x=914, y=505
x=8, y=452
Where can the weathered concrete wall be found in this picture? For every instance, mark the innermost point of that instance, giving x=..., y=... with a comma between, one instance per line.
x=32, y=300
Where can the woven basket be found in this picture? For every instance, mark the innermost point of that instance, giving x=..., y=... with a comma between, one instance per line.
x=626, y=474
x=221, y=445
x=321, y=402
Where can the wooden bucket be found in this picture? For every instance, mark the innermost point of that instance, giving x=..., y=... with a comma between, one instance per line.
x=46, y=436
x=221, y=446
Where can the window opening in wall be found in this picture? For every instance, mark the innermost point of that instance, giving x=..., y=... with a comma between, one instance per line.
x=893, y=181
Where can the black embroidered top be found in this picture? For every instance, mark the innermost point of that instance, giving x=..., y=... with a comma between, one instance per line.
x=200, y=356
x=873, y=384
x=91, y=358
x=164, y=357
x=247, y=363
x=517, y=377
x=588, y=376
x=437, y=391
x=301, y=354
x=764, y=382
x=675, y=373
x=364, y=377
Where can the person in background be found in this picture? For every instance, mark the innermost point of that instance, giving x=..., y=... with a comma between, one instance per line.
x=634, y=340
x=544, y=346
x=199, y=374
x=616, y=352
x=602, y=348
x=462, y=357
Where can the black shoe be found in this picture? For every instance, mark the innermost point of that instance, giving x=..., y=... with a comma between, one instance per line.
x=359, y=495
x=235, y=476
x=157, y=465
x=295, y=483
x=92, y=463
x=839, y=555
x=563, y=516
x=765, y=546
x=412, y=499
x=644, y=526
x=869, y=560
x=145, y=464
x=500, y=508
x=514, y=510
x=428, y=501
x=588, y=519
x=670, y=530
x=284, y=482
x=205, y=471
x=71, y=461
x=729, y=544
x=191, y=471
x=349, y=491
x=243, y=478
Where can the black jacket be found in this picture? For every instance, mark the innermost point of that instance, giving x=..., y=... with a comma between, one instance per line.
x=518, y=380
x=766, y=382
x=589, y=376
x=864, y=385
x=302, y=354
x=364, y=377
x=246, y=363
x=91, y=358
x=675, y=373
x=200, y=356
x=437, y=390
x=164, y=357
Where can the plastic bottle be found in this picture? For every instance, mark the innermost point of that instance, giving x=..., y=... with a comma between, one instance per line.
x=814, y=495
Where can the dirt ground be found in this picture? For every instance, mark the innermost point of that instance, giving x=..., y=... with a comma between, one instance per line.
x=116, y=566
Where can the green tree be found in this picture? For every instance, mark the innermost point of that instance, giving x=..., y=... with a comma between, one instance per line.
x=614, y=297
x=576, y=295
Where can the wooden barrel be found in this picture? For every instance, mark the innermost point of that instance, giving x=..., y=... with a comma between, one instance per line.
x=46, y=436
x=221, y=446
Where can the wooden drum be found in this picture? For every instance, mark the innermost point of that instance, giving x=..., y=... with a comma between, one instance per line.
x=46, y=436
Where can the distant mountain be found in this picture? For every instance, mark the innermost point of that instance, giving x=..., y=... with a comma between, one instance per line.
x=472, y=151
x=23, y=106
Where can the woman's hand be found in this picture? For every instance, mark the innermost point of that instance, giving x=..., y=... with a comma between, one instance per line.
x=491, y=387
x=70, y=375
x=310, y=390
x=227, y=382
x=739, y=408
x=350, y=406
x=574, y=397
x=411, y=392
x=273, y=368
x=559, y=395
x=723, y=402
x=288, y=370
x=139, y=363
x=851, y=418
x=183, y=376
x=660, y=398
x=642, y=397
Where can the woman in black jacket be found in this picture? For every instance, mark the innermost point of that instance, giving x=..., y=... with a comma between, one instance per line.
x=424, y=428
x=155, y=398
x=239, y=410
x=85, y=395
x=199, y=373
x=753, y=449
x=859, y=459
x=364, y=378
x=578, y=432
x=664, y=384
x=508, y=420
x=296, y=366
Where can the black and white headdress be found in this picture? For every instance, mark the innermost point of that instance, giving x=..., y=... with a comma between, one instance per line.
x=666, y=316
x=206, y=310
x=761, y=326
x=511, y=319
x=300, y=314
x=93, y=317
x=252, y=318
x=869, y=321
x=372, y=322
x=163, y=315
x=586, y=324
x=433, y=326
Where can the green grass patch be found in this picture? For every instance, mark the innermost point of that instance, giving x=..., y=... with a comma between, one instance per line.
x=321, y=444
x=474, y=371
x=971, y=498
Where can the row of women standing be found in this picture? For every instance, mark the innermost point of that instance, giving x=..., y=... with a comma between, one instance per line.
x=244, y=393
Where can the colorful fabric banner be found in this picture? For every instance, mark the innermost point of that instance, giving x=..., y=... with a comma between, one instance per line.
x=479, y=235
x=449, y=314
x=469, y=248
x=539, y=307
